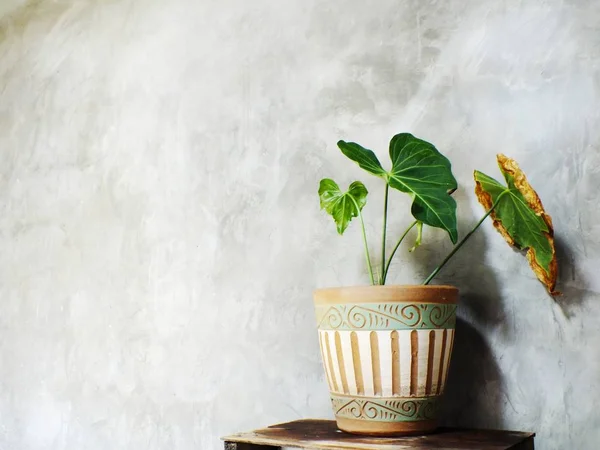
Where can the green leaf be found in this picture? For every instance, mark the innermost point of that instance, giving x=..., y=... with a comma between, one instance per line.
x=419, y=169
x=365, y=158
x=342, y=206
x=520, y=217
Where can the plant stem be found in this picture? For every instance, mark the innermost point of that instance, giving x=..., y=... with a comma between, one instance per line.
x=385, y=209
x=364, y=234
x=387, y=267
x=460, y=244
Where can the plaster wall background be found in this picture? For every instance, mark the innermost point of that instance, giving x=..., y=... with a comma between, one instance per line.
x=160, y=232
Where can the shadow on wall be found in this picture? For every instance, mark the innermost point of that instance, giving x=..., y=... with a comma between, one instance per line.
x=571, y=300
x=475, y=391
x=473, y=396
x=480, y=298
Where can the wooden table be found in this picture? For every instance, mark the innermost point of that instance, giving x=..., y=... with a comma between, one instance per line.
x=324, y=435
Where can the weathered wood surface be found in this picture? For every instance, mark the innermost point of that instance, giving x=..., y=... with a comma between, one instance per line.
x=323, y=434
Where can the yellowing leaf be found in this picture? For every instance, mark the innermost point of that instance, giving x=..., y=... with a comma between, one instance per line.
x=521, y=219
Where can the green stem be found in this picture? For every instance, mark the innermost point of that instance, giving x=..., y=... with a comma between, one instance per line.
x=385, y=209
x=364, y=234
x=460, y=244
x=387, y=267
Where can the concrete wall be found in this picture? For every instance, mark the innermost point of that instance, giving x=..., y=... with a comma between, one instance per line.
x=160, y=233
x=8, y=6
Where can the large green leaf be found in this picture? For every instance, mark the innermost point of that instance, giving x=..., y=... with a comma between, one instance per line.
x=342, y=206
x=520, y=217
x=419, y=169
x=365, y=158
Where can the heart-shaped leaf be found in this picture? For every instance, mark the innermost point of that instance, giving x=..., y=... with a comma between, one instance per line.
x=520, y=217
x=342, y=206
x=418, y=168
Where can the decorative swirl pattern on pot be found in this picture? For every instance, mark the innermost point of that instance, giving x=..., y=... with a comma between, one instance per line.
x=438, y=315
x=429, y=410
x=334, y=317
x=370, y=410
x=356, y=318
x=409, y=407
x=386, y=316
x=354, y=409
x=392, y=409
x=411, y=314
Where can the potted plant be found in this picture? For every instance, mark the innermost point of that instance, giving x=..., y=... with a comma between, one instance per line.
x=386, y=349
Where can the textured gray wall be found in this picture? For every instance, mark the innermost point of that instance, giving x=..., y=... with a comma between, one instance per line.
x=159, y=226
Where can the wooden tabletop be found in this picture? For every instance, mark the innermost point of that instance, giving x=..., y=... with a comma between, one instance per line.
x=323, y=434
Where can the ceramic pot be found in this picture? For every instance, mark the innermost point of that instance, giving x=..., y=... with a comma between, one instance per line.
x=386, y=351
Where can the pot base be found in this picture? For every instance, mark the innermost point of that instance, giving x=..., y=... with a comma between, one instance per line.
x=382, y=429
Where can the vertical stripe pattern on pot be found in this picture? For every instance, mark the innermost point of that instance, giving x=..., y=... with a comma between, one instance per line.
x=408, y=363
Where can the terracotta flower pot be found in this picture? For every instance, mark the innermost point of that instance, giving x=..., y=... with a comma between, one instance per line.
x=386, y=351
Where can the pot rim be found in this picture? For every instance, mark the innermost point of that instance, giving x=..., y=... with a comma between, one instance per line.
x=414, y=293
